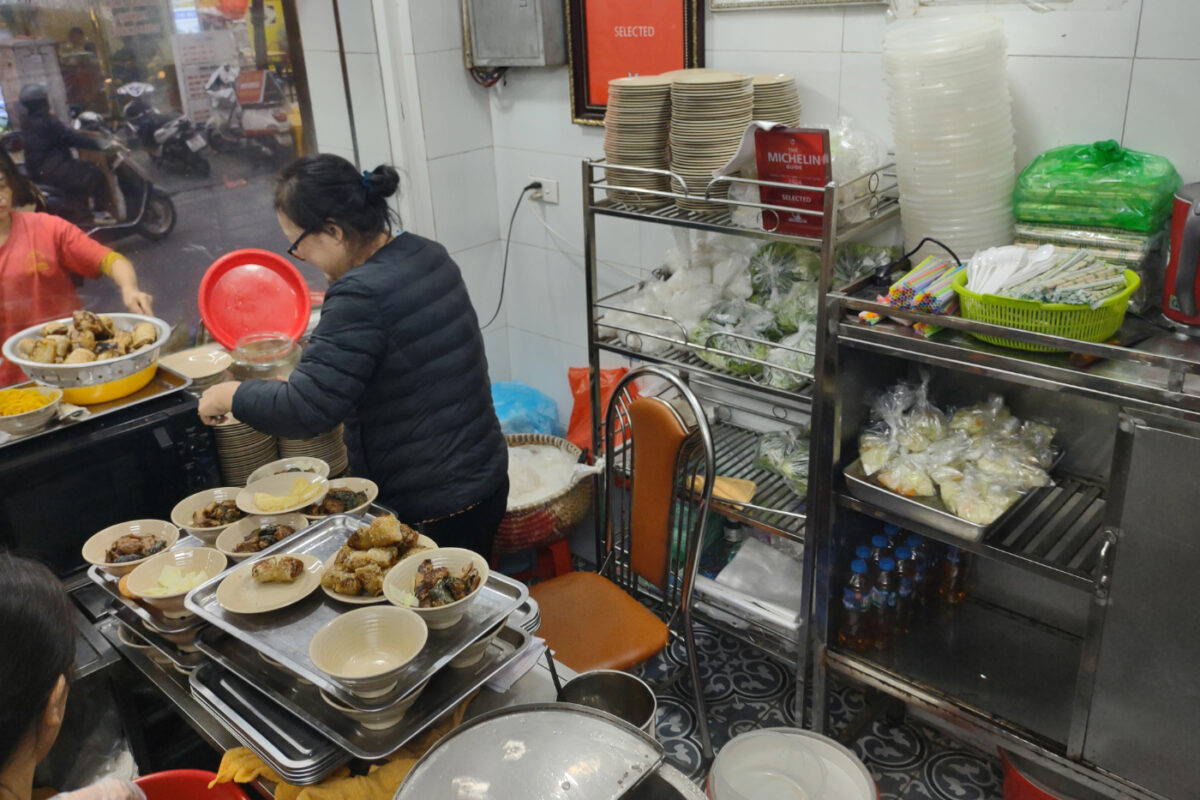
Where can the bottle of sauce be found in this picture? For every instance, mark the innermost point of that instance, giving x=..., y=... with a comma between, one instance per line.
x=952, y=587
x=883, y=605
x=854, y=631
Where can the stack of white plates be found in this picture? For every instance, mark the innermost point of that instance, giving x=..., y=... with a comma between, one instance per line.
x=635, y=134
x=204, y=364
x=776, y=99
x=710, y=110
x=241, y=450
x=328, y=447
x=952, y=120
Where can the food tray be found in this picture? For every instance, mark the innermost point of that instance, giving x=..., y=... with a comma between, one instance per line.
x=91, y=373
x=151, y=616
x=284, y=635
x=927, y=511
x=294, y=749
x=164, y=382
x=182, y=659
x=445, y=691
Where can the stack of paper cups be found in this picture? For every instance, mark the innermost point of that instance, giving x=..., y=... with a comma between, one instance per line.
x=952, y=121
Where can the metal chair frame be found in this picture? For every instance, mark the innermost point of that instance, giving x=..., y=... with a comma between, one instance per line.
x=688, y=518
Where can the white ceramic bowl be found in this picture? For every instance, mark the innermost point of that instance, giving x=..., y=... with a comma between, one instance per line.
x=38, y=418
x=399, y=583
x=189, y=559
x=280, y=486
x=380, y=720
x=354, y=485
x=96, y=546
x=365, y=649
x=234, y=534
x=181, y=514
x=471, y=654
x=300, y=463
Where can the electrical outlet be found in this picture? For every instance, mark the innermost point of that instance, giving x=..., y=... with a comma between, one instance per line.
x=548, y=193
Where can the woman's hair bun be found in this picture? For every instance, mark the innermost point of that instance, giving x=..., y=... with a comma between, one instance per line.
x=384, y=180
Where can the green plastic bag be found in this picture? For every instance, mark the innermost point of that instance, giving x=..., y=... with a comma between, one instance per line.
x=1099, y=185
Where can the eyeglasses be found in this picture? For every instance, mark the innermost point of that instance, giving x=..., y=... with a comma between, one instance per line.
x=292, y=249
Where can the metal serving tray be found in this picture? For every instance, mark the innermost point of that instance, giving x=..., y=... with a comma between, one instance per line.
x=926, y=510
x=183, y=659
x=295, y=750
x=284, y=635
x=151, y=616
x=164, y=382
x=445, y=691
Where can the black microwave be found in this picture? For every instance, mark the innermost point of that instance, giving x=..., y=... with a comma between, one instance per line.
x=57, y=490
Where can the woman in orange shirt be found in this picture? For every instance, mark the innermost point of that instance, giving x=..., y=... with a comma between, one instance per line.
x=38, y=252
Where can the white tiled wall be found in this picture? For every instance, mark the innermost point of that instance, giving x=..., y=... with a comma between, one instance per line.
x=1120, y=69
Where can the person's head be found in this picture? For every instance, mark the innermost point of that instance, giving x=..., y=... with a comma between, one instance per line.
x=16, y=191
x=37, y=638
x=331, y=212
x=76, y=38
x=35, y=98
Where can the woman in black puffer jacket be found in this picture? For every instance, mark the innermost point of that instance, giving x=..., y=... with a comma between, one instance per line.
x=398, y=356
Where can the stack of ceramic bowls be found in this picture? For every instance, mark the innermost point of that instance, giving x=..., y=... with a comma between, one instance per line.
x=328, y=447
x=710, y=110
x=952, y=120
x=241, y=450
x=776, y=99
x=635, y=134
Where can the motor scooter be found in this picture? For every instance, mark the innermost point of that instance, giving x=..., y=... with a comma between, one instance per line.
x=138, y=205
x=172, y=141
x=249, y=114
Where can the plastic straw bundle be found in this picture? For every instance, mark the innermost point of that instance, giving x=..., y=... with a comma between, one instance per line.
x=926, y=288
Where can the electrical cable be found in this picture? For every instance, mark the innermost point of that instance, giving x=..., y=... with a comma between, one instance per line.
x=542, y=219
x=883, y=275
x=508, y=243
x=487, y=78
x=920, y=244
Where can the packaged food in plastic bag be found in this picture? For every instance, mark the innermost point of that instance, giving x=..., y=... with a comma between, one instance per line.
x=877, y=443
x=982, y=418
x=785, y=453
x=854, y=154
x=1097, y=185
x=854, y=260
x=907, y=474
x=976, y=499
x=777, y=265
x=923, y=424
x=1004, y=464
x=796, y=352
x=796, y=308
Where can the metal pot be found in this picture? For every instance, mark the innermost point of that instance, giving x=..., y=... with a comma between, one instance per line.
x=616, y=693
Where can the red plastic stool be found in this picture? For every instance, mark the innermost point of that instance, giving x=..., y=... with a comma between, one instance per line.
x=188, y=784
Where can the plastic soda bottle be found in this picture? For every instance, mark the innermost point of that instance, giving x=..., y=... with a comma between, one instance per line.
x=953, y=584
x=883, y=605
x=906, y=589
x=894, y=534
x=880, y=548
x=864, y=552
x=854, y=631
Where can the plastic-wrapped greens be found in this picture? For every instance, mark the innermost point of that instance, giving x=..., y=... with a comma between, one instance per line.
x=785, y=453
x=854, y=260
x=797, y=307
x=741, y=318
x=787, y=357
x=777, y=265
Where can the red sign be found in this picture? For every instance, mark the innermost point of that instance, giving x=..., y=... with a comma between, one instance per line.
x=798, y=156
x=631, y=37
x=250, y=86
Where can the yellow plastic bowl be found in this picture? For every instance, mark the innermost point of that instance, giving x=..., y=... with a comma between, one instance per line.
x=113, y=390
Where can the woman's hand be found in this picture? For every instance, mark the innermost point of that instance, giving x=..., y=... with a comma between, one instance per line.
x=217, y=402
x=107, y=789
x=138, y=302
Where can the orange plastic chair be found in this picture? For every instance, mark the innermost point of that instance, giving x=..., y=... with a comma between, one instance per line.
x=598, y=620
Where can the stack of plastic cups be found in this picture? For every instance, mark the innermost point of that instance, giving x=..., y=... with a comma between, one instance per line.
x=952, y=120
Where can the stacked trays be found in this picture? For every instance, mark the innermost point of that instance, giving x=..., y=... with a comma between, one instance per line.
x=710, y=110
x=952, y=119
x=328, y=447
x=635, y=134
x=776, y=99
x=241, y=450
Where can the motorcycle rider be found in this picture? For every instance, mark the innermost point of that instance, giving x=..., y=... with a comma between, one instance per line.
x=48, y=156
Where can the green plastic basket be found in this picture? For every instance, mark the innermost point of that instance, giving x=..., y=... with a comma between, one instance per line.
x=1084, y=323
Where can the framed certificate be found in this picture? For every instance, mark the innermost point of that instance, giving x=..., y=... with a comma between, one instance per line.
x=609, y=39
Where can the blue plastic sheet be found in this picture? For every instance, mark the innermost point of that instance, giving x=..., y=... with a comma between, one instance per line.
x=523, y=409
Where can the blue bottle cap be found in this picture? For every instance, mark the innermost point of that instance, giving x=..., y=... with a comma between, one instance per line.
x=863, y=552
x=887, y=564
x=879, y=540
x=903, y=554
x=858, y=566
x=913, y=541
x=891, y=529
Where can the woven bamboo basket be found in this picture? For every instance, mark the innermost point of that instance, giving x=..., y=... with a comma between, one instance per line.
x=533, y=524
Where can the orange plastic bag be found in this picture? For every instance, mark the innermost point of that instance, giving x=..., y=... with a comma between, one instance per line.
x=579, y=431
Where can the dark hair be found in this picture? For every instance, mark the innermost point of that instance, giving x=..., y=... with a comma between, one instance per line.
x=25, y=193
x=315, y=192
x=37, y=639
x=75, y=30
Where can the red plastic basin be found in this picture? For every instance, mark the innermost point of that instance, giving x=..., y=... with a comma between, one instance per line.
x=188, y=784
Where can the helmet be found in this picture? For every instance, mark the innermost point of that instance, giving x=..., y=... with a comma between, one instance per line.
x=33, y=93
